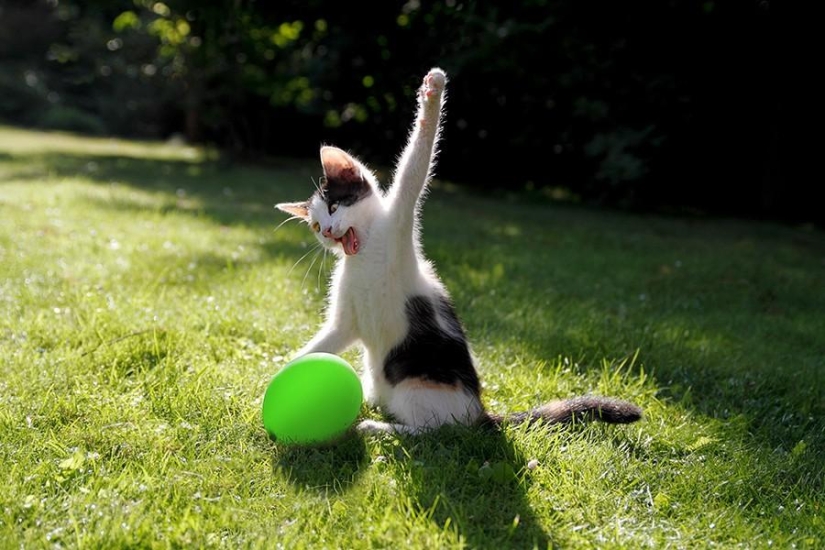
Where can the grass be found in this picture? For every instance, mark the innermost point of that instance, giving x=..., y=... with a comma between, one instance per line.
x=146, y=299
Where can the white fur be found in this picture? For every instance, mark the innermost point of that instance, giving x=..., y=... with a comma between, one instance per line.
x=428, y=407
x=369, y=290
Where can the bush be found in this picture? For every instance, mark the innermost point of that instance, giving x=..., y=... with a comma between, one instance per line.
x=62, y=117
x=19, y=100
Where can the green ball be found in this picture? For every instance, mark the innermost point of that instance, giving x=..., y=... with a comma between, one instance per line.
x=313, y=399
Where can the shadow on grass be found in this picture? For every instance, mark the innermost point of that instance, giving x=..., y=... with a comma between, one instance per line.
x=472, y=480
x=467, y=480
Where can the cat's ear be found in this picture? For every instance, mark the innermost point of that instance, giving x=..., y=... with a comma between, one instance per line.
x=339, y=166
x=297, y=209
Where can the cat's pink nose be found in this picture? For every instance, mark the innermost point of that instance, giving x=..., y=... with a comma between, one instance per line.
x=327, y=232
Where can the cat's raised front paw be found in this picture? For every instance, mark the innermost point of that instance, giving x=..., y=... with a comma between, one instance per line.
x=434, y=82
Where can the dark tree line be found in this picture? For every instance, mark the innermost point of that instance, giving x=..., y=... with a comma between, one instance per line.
x=682, y=104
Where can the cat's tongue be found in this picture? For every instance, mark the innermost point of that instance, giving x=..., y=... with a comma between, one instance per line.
x=349, y=241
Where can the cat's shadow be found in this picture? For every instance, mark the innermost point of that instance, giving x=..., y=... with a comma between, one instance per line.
x=473, y=480
x=469, y=480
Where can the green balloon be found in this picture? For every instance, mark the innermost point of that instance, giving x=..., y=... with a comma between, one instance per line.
x=313, y=399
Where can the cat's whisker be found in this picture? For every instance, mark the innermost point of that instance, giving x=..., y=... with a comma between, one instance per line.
x=309, y=269
x=301, y=259
x=289, y=219
x=317, y=186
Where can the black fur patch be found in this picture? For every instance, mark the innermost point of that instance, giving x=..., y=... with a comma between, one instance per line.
x=345, y=190
x=430, y=353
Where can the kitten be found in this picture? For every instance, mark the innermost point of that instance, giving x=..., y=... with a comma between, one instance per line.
x=386, y=296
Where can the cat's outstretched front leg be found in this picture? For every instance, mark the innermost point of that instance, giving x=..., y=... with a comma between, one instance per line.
x=328, y=339
x=415, y=166
x=338, y=331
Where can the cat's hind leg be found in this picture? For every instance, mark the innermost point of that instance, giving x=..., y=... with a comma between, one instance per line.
x=420, y=405
x=376, y=427
x=421, y=402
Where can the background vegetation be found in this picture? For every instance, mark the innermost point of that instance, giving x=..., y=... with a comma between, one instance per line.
x=684, y=104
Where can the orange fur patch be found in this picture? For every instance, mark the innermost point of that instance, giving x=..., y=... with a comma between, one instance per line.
x=424, y=384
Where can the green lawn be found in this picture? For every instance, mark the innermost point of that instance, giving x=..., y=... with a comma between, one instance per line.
x=146, y=299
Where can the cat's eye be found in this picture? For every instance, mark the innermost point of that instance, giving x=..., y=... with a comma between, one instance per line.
x=333, y=207
x=316, y=226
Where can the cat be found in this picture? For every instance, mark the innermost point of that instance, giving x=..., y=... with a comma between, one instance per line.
x=384, y=294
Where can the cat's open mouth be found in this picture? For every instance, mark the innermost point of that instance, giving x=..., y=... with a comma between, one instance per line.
x=349, y=241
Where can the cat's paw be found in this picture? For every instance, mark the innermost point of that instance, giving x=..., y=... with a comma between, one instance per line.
x=373, y=427
x=434, y=83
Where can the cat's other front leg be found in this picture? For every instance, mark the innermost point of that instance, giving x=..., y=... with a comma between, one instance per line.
x=329, y=340
x=434, y=82
x=429, y=96
x=416, y=163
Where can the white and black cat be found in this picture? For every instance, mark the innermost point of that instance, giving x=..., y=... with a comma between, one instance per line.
x=386, y=296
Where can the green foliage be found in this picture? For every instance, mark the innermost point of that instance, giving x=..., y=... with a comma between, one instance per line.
x=128, y=20
x=21, y=97
x=547, y=94
x=146, y=299
x=619, y=162
x=62, y=117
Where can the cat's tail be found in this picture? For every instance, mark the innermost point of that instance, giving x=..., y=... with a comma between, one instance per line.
x=577, y=409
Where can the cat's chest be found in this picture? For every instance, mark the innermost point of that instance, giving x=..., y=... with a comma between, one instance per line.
x=377, y=298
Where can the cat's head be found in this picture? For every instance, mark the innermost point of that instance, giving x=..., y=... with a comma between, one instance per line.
x=341, y=210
